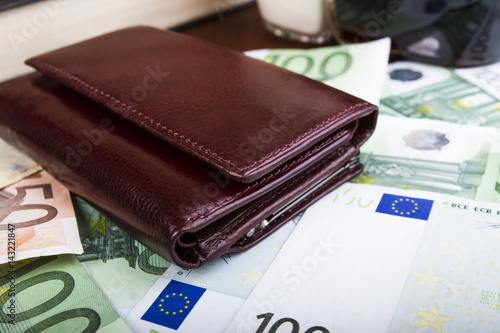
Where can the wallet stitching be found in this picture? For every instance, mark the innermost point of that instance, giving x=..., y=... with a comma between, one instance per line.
x=195, y=144
x=301, y=137
x=230, y=228
x=288, y=166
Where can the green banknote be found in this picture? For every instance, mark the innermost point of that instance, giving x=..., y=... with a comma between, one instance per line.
x=53, y=294
x=486, y=77
x=123, y=268
x=358, y=69
x=459, y=96
x=431, y=155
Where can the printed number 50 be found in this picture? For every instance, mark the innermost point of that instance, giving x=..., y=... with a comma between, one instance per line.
x=13, y=204
x=294, y=329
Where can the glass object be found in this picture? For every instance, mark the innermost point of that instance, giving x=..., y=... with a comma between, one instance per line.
x=307, y=21
x=445, y=32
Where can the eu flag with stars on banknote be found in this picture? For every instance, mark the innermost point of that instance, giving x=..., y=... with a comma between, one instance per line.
x=409, y=207
x=173, y=305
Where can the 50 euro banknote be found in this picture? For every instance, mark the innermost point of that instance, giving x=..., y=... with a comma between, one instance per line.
x=37, y=219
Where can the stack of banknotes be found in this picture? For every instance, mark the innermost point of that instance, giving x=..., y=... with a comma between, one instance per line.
x=410, y=245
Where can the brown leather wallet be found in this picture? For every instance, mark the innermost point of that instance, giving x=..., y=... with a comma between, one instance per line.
x=193, y=149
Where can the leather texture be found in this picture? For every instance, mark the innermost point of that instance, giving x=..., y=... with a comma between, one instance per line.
x=184, y=144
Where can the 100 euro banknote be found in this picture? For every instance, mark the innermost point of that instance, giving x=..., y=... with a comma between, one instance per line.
x=465, y=96
x=377, y=259
x=53, y=294
x=343, y=267
x=453, y=284
x=432, y=155
x=338, y=66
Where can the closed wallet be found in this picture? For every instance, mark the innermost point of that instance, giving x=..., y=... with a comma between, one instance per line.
x=193, y=149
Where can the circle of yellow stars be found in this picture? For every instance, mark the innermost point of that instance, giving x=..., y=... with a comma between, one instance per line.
x=173, y=313
x=408, y=212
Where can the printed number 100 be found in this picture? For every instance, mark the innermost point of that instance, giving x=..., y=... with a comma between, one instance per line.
x=294, y=329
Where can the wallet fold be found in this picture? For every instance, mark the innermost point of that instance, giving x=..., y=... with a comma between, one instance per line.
x=193, y=149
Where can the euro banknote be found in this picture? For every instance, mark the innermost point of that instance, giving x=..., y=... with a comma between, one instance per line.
x=14, y=165
x=344, y=267
x=433, y=155
x=465, y=96
x=358, y=69
x=53, y=294
x=37, y=219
